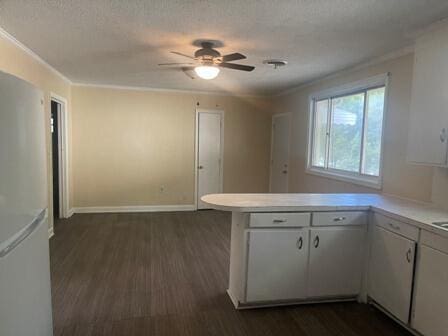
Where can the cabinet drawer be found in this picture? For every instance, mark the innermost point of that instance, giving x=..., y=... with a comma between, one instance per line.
x=280, y=219
x=339, y=218
x=403, y=229
x=435, y=241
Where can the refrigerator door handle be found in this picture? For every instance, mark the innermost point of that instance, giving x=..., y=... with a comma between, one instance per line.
x=9, y=245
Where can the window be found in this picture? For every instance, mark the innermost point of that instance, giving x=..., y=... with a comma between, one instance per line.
x=346, y=127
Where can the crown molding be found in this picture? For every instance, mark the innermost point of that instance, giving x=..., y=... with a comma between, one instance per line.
x=374, y=61
x=150, y=89
x=395, y=54
x=31, y=53
x=440, y=24
x=36, y=57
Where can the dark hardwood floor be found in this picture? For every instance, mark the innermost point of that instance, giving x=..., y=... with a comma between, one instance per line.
x=166, y=274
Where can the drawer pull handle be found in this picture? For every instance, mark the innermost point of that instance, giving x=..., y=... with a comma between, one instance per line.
x=280, y=220
x=299, y=243
x=395, y=227
x=339, y=219
x=408, y=255
x=316, y=242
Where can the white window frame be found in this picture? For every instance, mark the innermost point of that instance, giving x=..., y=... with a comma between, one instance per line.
x=337, y=174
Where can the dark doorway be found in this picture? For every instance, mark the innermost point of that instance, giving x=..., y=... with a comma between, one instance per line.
x=55, y=108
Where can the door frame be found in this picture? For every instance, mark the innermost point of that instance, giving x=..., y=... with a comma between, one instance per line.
x=288, y=114
x=63, y=156
x=196, y=150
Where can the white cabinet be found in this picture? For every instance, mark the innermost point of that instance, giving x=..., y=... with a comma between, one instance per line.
x=277, y=264
x=428, y=130
x=391, y=268
x=296, y=256
x=336, y=261
x=431, y=292
x=393, y=225
x=339, y=218
x=280, y=219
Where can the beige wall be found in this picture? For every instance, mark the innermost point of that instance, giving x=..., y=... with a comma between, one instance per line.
x=128, y=144
x=16, y=61
x=399, y=178
x=125, y=145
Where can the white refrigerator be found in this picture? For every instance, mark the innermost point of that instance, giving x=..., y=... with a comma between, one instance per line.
x=25, y=292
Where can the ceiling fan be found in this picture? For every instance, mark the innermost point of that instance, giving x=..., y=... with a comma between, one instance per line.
x=207, y=61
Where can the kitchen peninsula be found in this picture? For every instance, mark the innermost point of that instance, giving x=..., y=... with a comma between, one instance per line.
x=299, y=248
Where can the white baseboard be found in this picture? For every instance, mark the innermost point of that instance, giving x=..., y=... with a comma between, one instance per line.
x=70, y=213
x=136, y=208
x=50, y=232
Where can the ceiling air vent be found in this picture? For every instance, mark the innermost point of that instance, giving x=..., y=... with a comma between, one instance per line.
x=276, y=63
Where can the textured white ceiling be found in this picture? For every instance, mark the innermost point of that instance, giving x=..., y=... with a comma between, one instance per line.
x=119, y=42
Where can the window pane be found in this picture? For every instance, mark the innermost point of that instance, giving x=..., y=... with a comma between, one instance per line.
x=346, y=132
x=320, y=133
x=374, y=124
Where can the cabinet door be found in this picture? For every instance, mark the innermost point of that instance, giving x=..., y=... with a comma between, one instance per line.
x=429, y=104
x=277, y=264
x=336, y=261
x=431, y=298
x=391, y=271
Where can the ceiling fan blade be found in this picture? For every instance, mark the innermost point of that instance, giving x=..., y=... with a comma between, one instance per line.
x=233, y=57
x=175, y=63
x=189, y=72
x=236, y=66
x=180, y=54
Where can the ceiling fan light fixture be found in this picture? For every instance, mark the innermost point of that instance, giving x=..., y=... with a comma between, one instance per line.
x=207, y=71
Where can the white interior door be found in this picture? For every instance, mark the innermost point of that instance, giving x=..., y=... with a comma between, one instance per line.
x=209, y=155
x=280, y=153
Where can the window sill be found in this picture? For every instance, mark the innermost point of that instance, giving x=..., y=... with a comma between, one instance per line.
x=365, y=181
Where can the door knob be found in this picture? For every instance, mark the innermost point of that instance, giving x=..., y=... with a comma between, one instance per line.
x=443, y=135
x=201, y=167
x=285, y=172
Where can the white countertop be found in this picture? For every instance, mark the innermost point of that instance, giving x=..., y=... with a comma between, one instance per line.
x=412, y=212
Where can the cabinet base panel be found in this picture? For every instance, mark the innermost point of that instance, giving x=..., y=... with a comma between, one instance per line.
x=386, y=312
x=266, y=304
x=233, y=299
